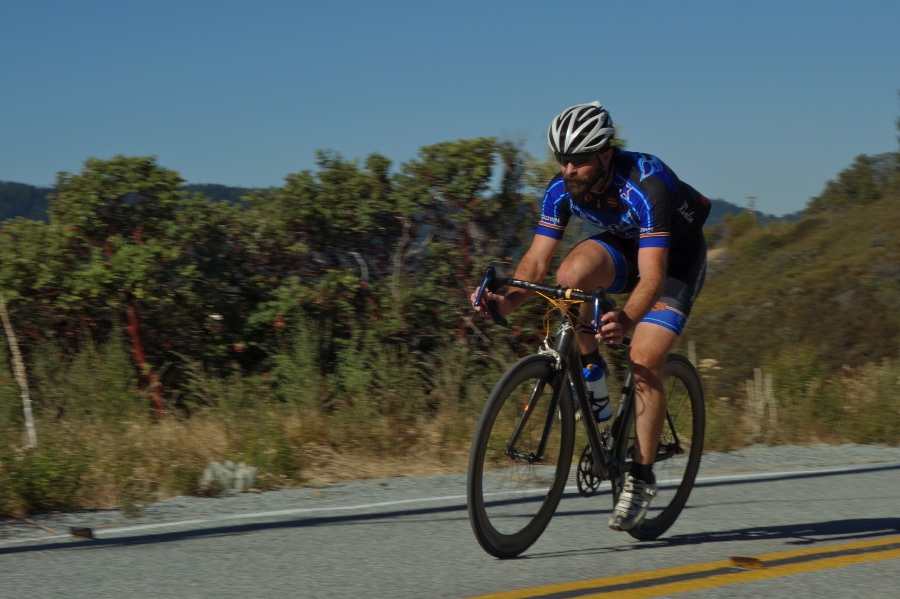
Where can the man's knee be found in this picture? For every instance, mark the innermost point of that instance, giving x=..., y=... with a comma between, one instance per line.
x=570, y=273
x=587, y=266
x=649, y=349
x=646, y=373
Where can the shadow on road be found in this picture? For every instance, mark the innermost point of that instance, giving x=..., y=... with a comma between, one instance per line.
x=807, y=534
x=798, y=534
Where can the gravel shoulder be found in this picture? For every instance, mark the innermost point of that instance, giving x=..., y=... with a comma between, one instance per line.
x=378, y=493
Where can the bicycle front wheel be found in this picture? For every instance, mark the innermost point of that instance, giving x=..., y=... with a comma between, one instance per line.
x=520, y=457
x=680, y=447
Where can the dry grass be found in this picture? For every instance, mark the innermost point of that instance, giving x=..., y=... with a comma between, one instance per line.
x=101, y=461
x=141, y=461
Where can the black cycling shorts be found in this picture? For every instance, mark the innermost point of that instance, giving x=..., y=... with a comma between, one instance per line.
x=684, y=277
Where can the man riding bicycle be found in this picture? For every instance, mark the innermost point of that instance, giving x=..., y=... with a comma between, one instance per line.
x=651, y=246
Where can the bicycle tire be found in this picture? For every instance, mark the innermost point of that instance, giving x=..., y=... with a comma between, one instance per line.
x=675, y=472
x=511, y=499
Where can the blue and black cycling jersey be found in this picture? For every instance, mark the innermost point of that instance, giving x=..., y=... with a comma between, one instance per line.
x=646, y=205
x=654, y=206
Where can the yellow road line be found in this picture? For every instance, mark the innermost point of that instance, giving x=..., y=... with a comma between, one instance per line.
x=762, y=571
x=828, y=549
x=605, y=582
x=750, y=575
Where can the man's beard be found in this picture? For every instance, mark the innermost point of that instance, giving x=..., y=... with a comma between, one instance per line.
x=579, y=186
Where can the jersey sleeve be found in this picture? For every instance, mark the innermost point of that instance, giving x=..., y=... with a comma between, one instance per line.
x=654, y=236
x=555, y=212
x=658, y=191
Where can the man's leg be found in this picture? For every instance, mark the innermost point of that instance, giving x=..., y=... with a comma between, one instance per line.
x=650, y=345
x=589, y=265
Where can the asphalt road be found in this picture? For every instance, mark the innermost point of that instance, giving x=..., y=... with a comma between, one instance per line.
x=822, y=531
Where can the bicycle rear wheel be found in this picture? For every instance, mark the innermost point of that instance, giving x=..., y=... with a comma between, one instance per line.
x=520, y=457
x=680, y=448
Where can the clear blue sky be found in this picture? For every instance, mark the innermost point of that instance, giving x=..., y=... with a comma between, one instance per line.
x=766, y=98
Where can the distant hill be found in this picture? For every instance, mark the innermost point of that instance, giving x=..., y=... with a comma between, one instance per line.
x=721, y=208
x=218, y=193
x=803, y=295
x=29, y=201
x=19, y=199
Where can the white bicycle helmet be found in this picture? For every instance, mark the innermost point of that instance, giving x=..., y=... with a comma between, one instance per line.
x=580, y=129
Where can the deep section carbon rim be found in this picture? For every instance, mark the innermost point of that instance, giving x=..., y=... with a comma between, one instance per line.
x=520, y=458
x=680, y=447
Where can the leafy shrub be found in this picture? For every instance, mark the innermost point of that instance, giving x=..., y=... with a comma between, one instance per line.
x=95, y=382
x=45, y=478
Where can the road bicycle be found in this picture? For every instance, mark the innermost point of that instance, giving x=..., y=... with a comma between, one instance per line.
x=522, y=451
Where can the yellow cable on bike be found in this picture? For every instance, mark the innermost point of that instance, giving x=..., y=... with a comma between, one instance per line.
x=563, y=306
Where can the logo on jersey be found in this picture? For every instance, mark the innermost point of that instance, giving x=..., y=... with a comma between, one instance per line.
x=550, y=220
x=649, y=166
x=686, y=213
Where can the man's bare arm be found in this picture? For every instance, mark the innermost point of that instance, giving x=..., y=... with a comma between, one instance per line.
x=532, y=267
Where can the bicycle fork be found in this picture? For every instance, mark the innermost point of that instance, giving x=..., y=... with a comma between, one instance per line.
x=523, y=420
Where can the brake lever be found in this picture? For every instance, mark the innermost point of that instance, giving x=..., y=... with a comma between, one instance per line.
x=602, y=304
x=491, y=284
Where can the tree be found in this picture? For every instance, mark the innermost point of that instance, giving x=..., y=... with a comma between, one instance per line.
x=118, y=223
x=319, y=249
x=447, y=186
x=364, y=255
x=863, y=182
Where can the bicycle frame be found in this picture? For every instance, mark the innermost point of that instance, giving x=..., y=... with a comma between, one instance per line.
x=605, y=466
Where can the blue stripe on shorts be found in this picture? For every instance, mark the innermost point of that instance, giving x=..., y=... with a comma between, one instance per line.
x=667, y=317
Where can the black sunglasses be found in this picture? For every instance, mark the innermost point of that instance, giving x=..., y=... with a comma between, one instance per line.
x=574, y=159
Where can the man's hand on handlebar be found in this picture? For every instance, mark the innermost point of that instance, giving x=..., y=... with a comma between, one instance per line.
x=611, y=331
x=502, y=304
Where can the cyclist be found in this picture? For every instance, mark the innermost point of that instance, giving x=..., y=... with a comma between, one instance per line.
x=651, y=245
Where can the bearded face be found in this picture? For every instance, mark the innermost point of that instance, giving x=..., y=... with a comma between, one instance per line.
x=580, y=182
x=582, y=178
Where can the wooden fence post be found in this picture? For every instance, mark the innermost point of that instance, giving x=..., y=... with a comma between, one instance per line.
x=761, y=397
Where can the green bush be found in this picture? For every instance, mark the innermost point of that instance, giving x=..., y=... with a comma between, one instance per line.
x=96, y=382
x=871, y=409
x=44, y=478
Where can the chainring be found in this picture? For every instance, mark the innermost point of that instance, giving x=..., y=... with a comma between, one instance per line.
x=588, y=482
